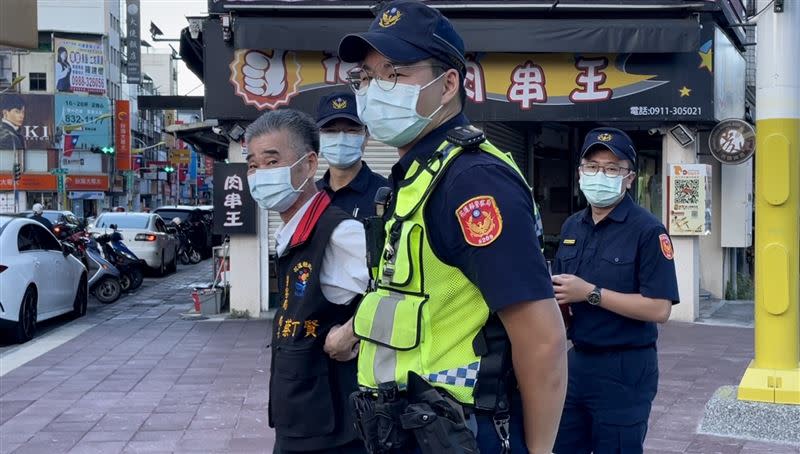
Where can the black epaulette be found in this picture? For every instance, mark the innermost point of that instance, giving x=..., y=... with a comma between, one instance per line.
x=467, y=137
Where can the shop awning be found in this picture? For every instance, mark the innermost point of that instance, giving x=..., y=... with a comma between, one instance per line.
x=202, y=137
x=488, y=35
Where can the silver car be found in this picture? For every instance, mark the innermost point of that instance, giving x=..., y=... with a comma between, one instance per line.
x=145, y=234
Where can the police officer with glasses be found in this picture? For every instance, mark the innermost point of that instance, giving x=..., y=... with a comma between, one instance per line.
x=614, y=269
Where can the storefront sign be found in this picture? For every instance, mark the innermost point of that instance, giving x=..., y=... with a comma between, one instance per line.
x=87, y=195
x=27, y=122
x=237, y=209
x=134, y=43
x=180, y=156
x=732, y=141
x=80, y=110
x=122, y=134
x=499, y=86
x=689, y=199
x=47, y=182
x=80, y=66
x=82, y=162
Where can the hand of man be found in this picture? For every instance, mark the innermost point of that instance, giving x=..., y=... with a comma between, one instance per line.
x=570, y=288
x=341, y=344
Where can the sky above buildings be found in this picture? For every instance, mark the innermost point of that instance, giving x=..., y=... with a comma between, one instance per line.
x=170, y=17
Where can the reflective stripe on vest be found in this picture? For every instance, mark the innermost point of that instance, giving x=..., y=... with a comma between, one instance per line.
x=425, y=314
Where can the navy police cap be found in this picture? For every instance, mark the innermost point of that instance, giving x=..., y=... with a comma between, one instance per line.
x=337, y=105
x=612, y=138
x=407, y=31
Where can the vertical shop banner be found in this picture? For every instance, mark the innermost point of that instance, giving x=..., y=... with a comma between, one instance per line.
x=689, y=199
x=234, y=208
x=80, y=66
x=27, y=122
x=134, y=42
x=122, y=134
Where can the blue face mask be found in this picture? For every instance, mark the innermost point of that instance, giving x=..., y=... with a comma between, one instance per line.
x=341, y=149
x=391, y=116
x=601, y=191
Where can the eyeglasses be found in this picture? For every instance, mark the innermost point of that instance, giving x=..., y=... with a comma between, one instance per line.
x=591, y=169
x=385, y=77
x=351, y=130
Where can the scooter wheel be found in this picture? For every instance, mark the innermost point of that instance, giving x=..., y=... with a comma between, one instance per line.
x=108, y=290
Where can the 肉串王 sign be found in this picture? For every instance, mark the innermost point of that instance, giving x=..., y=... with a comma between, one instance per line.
x=235, y=211
x=499, y=86
x=80, y=66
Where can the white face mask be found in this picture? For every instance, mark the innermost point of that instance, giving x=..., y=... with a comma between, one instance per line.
x=341, y=149
x=272, y=188
x=391, y=116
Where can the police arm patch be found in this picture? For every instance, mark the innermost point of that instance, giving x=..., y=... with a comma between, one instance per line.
x=480, y=220
x=666, y=246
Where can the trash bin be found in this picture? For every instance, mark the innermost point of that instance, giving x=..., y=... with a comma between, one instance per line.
x=210, y=300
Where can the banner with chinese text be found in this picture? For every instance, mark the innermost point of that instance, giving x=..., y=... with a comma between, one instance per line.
x=80, y=66
x=122, y=134
x=235, y=211
x=81, y=113
x=689, y=199
x=499, y=86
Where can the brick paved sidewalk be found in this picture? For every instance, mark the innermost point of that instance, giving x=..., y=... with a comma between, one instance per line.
x=143, y=380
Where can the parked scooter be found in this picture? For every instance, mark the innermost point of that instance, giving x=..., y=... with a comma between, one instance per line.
x=187, y=253
x=131, y=267
x=103, y=281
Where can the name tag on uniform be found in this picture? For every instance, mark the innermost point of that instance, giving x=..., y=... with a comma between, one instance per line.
x=569, y=242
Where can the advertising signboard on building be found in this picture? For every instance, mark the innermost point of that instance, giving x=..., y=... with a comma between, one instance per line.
x=689, y=199
x=134, y=43
x=500, y=86
x=27, y=120
x=122, y=134
x=80, y=66
x=235, y=211
x=84, y=111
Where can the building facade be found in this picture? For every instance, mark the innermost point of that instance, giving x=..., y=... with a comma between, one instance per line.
x=539, y=77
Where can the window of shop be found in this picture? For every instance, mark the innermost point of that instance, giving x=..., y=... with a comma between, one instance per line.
x=38, y=82
x=36, y=160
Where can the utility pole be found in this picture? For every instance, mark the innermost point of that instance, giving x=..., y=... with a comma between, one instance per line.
x=774, y=374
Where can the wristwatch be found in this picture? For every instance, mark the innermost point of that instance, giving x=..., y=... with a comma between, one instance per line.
x=594, y=296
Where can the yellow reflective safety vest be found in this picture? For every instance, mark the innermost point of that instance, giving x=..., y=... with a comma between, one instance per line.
x=424, y=314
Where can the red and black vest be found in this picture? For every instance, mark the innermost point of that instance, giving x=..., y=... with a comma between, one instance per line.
x=309, y=391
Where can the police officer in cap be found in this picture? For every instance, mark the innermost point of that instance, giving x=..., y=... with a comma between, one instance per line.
x=461, y=271
x=614, y=268
x=342, y=140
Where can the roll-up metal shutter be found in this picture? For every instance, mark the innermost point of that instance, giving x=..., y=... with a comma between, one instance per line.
x=511, y=140
x=379, y=157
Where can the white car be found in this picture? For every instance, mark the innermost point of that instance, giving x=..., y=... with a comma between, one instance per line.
x=145, y=234
x=39, y=279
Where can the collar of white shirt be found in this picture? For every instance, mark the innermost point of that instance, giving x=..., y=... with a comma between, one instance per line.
x=283, y=236
x=16, y=128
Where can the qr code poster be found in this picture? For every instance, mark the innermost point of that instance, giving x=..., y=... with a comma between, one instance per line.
x=689, y=199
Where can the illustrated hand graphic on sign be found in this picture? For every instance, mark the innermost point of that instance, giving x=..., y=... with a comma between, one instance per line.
x=265, y=73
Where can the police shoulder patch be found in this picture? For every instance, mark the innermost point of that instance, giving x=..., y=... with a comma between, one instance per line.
x=480, y=220
x=666, y=246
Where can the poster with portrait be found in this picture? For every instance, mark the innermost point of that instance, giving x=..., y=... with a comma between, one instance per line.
x=26, y=122
x=80, y=66
x=689, y=199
